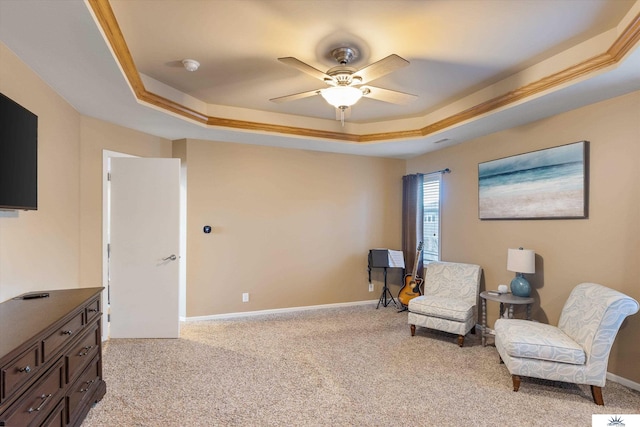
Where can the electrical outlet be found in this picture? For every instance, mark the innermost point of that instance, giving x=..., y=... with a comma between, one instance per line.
x=370, y=287
x=245, y=297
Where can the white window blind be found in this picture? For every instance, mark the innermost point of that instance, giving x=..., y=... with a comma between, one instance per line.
x=431, y=223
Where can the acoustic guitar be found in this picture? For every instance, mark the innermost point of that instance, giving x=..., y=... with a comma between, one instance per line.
x=411, y=288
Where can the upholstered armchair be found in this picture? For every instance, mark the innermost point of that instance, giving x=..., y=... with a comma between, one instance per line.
x=450, y=299
x=577, y=350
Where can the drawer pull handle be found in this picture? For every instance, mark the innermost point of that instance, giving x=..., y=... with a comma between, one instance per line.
x=92, y=310
x=44, y=398
x=69, y=332
x=82, y=390
x=86, y=351
x=26, y=369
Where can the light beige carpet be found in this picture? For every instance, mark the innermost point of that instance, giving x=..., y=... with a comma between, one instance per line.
x=353, y=366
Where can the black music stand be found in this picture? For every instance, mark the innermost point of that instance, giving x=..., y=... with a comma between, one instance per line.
x=380, y=258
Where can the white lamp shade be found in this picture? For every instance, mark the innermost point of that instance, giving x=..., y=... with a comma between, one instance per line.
x=341, y=96
x=521, y=261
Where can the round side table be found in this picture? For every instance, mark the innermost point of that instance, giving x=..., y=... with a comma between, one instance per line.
x=504, y=299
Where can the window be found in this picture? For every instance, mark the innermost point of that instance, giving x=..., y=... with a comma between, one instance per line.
x=431, y=221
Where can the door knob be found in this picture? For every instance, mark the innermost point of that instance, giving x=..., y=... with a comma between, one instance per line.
x=171, y=257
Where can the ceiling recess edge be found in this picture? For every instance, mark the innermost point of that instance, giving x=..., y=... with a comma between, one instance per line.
x=110, y=28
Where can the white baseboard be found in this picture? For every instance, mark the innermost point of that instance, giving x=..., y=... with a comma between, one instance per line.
x=274, y=311
x=625, y=382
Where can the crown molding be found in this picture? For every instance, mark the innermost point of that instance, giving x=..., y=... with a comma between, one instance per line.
x=110, y=28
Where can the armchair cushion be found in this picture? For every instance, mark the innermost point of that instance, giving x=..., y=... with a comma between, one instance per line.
x=532, y=340
x=442, y=307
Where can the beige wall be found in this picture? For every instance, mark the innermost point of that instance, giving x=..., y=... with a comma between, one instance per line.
x=60, y=244
x=290, y=227
x=605, y=248
x=39, y=250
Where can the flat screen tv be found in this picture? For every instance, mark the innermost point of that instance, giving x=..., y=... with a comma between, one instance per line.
x=18, y=156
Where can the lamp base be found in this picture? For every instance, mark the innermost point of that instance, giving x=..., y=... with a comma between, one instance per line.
x=520, y=287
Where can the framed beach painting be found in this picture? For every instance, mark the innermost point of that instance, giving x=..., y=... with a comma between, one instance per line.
x=545, y=184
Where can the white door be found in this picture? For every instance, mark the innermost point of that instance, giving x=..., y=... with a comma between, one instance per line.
x=144, y=251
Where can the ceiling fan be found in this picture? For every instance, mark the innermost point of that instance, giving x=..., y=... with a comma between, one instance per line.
x=346, y=85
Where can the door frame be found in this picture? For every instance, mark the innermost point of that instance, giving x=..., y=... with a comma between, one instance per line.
x=106, y=154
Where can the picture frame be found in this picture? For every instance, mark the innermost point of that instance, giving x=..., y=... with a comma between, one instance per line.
x=552, y=183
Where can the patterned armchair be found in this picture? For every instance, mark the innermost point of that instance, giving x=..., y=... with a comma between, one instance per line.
x=577, y=351
x=450, y=300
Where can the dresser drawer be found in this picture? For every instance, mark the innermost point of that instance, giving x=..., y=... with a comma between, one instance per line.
x=92, y=310
x=57, y=417
x=38, y=401
x=82, y=389
x=19, y=371
x=81, y=353
x=61, y=336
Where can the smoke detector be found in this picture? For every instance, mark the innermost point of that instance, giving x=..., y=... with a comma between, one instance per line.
x=190, y=64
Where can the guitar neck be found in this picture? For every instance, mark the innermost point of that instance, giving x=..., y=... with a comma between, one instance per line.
x=415, y=264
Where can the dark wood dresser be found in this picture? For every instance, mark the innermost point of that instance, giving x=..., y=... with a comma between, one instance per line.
x=50, y=358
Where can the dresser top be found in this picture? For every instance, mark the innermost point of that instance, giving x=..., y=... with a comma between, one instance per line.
x=22, y=320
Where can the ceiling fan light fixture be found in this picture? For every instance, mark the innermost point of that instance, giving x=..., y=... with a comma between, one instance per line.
x=341, y=96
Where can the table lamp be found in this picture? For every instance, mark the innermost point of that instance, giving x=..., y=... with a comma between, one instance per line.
x=521, y=261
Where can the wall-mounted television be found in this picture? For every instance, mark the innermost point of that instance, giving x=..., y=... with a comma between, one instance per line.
x=18, y=156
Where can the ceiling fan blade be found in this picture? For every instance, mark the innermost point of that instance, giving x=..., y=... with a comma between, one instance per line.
x=381, y=68
x=386, y=95
x=305, y=68
x=295, y=96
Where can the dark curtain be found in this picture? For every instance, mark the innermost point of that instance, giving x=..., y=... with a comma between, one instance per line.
x=412, y=219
